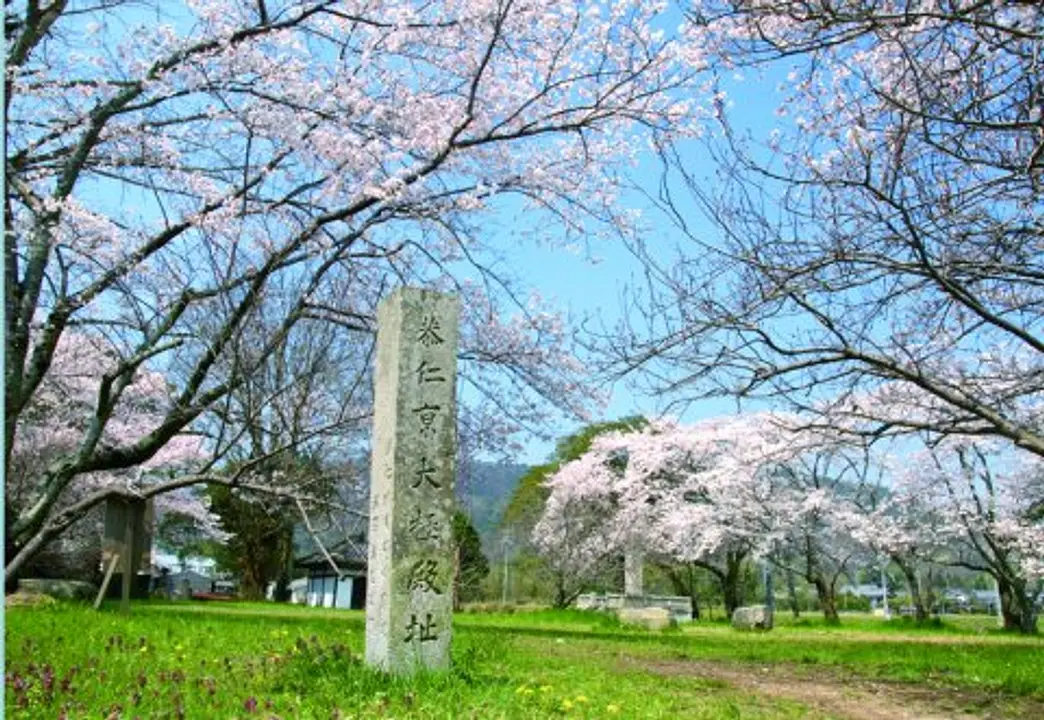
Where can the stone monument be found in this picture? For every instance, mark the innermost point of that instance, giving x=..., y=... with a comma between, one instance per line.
x=409, y=596
x=634, y=565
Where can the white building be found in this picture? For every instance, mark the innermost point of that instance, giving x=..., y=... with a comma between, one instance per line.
x=343, y=586
x=199, y=565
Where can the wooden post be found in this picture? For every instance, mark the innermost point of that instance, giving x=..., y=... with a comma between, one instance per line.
x=128, y=556
x=105, y=583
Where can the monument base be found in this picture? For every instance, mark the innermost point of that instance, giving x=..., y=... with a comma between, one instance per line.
x=679, y=606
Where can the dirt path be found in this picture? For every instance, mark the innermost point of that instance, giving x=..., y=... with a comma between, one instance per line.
x=905, y=639
x=835, y=696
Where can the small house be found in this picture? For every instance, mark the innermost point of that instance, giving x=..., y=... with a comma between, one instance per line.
x=875, y=594
x=343, y=586
x=298, y=591
x=184, y=583
x=987, y=600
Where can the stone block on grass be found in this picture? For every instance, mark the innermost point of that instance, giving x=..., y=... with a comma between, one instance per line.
x=59, y=589
x=752, y=617
x=651, y=618
x=28, y=599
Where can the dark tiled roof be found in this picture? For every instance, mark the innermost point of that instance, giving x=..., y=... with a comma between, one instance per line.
x=349, y=555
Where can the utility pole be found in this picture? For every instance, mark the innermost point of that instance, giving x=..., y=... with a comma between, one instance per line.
x=884, y=589
x=1000, y=608
x=504, y=555
x=770, y=595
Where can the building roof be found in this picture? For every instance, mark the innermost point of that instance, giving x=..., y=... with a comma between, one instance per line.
x=349, y=555
x=985, y=595
x=865, y=590
x=191, y=576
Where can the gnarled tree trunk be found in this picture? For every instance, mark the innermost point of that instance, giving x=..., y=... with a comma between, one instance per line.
x=684, y=583
x=827, y=599
x=1017, y=606
x=922, y=602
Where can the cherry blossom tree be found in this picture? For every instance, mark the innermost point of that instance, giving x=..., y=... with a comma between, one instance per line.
x=901, y=527
x=715, y=494
x=178, y=173
x=886, y=232
x=816, y=492
x=53, y=426
x=694, y=496
x=765, y=485
x=565, y=560
x=963, y=502
x=576, y=533
x=981, y=496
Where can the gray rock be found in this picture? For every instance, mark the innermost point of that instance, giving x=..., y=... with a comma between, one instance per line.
x=26, y=599
x=753, y=617
x=59, y=589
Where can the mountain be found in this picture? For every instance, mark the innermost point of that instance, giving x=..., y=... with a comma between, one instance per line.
x=483, y=490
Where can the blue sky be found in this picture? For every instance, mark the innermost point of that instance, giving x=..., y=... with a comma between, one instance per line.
x=580, y=287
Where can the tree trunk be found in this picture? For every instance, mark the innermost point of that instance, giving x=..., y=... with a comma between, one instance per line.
x=921, y=609
x=22, y=554
x=730, y=579
x=730, y=595
x=1009, y=610
x=693, y=595
x=10, y=551
x=281, y=593
x=827, y=600
x=456, y=579
x=731, y=588
x=684, y=585
x=770, y=596
x=252, y=587
x=286, y=566
x=561, y=597
x=1017, y=607
x=254, y=577
x=1028, y=624
x=794, y=608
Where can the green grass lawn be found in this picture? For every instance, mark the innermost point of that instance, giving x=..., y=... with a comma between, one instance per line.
x=170, y=660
